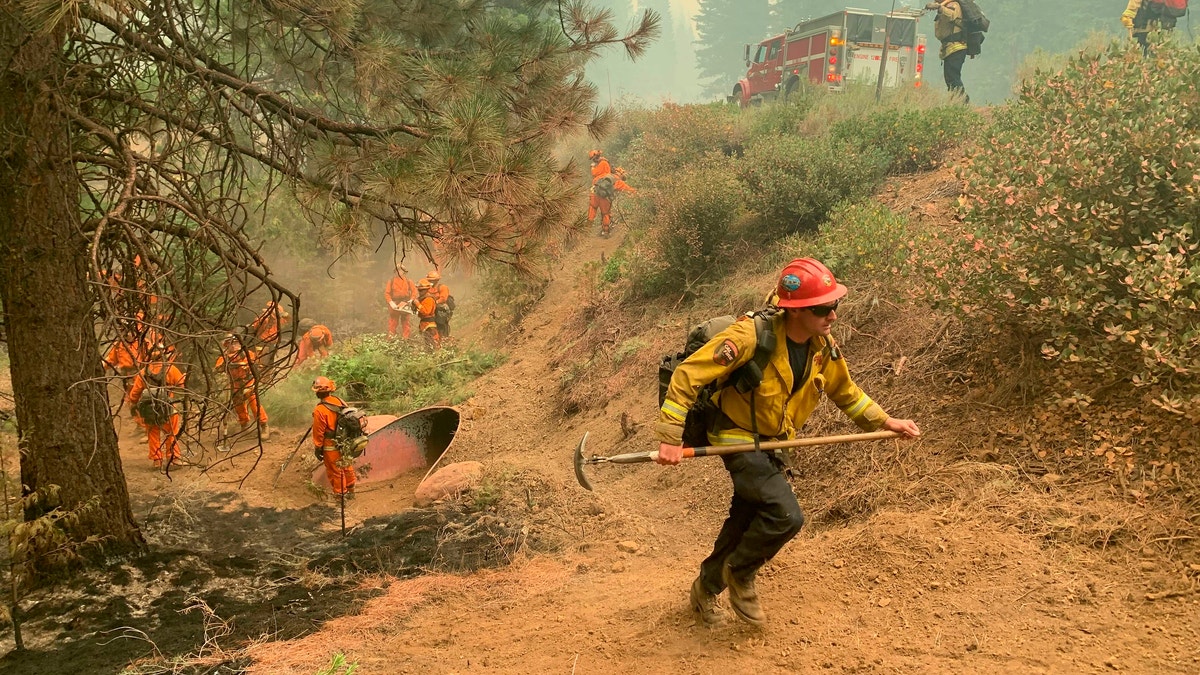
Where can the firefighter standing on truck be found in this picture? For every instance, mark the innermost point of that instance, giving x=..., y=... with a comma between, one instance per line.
x=948, y=29
x=325, y=417
x=805, y=363
x=399, y=292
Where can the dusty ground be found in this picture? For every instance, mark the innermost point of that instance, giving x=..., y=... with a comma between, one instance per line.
x=956, y=562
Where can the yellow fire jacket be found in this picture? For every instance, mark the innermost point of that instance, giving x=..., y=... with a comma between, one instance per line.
x=780, y=412
x=948, y=29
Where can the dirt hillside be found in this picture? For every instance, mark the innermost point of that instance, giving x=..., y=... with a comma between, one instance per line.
x=970, y=567
x=934, y=556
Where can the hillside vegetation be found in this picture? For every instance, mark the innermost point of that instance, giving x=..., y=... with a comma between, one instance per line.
x=1057, y=295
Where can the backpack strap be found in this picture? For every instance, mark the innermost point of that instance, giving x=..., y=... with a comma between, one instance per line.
x=750, y=375
x=333, y=408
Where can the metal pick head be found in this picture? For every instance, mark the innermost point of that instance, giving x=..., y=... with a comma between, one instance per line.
x=579, y=462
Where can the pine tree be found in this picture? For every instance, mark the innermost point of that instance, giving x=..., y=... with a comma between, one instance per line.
x=136, y=133
x=724, y=27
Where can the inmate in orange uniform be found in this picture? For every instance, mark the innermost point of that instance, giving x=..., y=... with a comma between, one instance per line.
x=600, y=169
x=266, y=329
x=427, y=312
x=237, y=363
x=123, y=358
x=441, y=295
x=162, y=438
x=342, y=479
x=317, y=340
x=399, y=292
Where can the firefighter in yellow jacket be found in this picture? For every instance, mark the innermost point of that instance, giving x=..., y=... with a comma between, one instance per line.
x=948, y=29
x=805, y=364
x=1143, y=16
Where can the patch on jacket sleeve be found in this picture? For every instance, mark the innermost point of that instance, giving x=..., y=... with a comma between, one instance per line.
x=727, y=353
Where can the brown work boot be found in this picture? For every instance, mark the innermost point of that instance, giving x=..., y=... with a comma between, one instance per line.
x=704, y=604
x=743, y=597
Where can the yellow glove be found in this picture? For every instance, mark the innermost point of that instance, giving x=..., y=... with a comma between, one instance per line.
x=1127, y=19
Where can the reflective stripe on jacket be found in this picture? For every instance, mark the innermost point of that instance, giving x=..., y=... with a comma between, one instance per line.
x=948, y=29
x=779, y=411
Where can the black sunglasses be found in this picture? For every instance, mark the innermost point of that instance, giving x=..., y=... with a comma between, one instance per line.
x=823, y=311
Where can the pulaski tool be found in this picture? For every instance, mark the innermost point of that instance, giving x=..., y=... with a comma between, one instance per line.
x=581, y=460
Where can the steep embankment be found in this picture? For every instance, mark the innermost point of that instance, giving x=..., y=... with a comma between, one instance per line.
x=925, y=557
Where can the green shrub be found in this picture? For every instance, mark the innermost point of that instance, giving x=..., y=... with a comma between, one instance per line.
x=383, y=376
x=1085, y=209
x=860, y=238
x=793, y=182
x=690, y=237
x=675, y=137
x=912, y=140
x=785, y=116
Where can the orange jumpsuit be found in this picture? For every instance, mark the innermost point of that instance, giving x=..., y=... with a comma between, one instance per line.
x=162, y=438
x=241, y=385
x=426, y=311
x=268, y=324
x=123, y=358
x=399, y=291
x=599, y=170
x=316, y=341
x=324, y=420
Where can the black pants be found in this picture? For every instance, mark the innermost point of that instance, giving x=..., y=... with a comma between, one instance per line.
x=952, y=70
x=763, y=517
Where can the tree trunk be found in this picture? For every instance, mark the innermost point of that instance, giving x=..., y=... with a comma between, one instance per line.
x=66, y=429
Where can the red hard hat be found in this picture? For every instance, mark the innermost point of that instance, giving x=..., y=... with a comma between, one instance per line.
x=807, y=283
x=323, y=383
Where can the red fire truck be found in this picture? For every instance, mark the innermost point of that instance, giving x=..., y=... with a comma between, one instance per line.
x=835, y=50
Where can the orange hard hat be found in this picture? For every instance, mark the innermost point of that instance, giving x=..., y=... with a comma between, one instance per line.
x=593, y=154
x=805, y=282
x=434, y=275
x=424, y=285
x=323, y=383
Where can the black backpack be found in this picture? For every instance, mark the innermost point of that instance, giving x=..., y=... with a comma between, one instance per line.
x=349, y=432
x=747, y=377
x=445, y=310
x=974, y=24
x=605, y=188
x=154, y=407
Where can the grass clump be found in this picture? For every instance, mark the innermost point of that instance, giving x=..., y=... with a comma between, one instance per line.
x=383, y=376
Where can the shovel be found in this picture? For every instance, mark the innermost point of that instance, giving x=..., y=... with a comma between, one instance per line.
x=716, y=450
